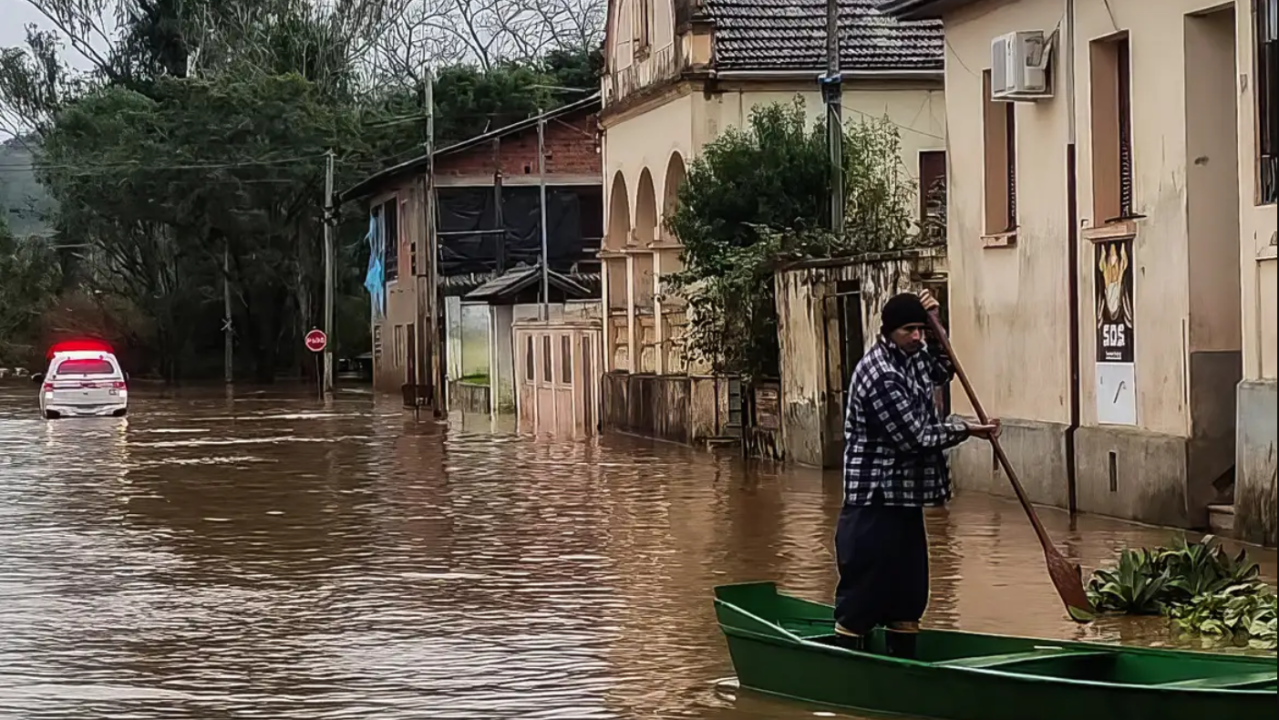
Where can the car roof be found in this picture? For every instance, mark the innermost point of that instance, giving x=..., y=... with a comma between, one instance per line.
x=58, y=358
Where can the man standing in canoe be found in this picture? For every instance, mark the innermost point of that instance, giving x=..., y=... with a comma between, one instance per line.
x=894, y=466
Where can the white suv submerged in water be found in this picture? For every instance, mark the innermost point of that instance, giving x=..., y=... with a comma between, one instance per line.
x=84, y=383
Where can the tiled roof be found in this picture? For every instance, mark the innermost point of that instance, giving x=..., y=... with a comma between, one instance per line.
x=791, y=35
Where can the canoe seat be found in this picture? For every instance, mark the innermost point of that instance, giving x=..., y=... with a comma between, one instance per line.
x=995, y=661
x=1241, y=681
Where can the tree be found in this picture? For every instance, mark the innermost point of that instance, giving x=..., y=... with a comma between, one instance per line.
x=28, y=279
x=756, y=198
x=201, y=130
x=485, y=33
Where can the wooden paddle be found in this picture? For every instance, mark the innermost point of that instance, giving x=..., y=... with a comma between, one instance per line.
x=1065, y=575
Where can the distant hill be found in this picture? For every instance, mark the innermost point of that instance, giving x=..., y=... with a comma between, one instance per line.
x=23, y=200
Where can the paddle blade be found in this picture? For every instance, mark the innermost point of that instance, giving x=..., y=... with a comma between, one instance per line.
x=1069, y=582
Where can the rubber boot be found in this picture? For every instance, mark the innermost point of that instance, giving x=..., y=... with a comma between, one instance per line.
x=849, y=640
x=901, y=644
x=901, y=639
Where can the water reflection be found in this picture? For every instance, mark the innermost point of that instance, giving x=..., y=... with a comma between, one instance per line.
x=279, y=556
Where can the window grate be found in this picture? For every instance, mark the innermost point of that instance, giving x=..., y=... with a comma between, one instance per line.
x=1010, y=132
x=1267, y=88
x=1125, y=131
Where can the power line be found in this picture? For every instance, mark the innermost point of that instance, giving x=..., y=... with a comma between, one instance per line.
x=91, y=169
x=136, y=165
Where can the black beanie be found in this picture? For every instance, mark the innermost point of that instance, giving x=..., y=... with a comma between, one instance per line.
x=903, y=309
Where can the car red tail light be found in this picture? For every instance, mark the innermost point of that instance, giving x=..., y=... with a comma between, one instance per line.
x=120, y=385
x=48, y=387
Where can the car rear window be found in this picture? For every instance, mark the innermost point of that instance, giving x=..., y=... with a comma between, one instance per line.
x=85, y=367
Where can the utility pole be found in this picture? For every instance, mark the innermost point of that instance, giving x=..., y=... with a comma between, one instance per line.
x=228, y=336
x=541, y=183
x=438, y=363
x=328, y=272
x=422, y=271
x=832, y=92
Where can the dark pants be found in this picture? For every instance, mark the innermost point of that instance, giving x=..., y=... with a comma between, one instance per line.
x=882, y=552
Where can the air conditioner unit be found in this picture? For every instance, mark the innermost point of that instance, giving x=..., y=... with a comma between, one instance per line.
x=1019, y=66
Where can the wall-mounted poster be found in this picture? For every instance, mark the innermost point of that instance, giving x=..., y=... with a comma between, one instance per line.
x=1113, y=285
x=1116, y=394
x=1116, y=375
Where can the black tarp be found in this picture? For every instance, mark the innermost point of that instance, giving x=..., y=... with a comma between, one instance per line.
x=574, y=221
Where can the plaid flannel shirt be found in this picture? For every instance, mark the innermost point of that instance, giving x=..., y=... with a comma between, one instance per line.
x=894, y=437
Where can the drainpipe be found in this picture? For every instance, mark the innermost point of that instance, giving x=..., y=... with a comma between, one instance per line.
x=1072, y=252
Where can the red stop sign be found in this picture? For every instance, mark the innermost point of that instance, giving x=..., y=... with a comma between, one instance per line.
x=316, y=340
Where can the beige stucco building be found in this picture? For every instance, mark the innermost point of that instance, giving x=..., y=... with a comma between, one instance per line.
x=1112, y=250
x=678, y=73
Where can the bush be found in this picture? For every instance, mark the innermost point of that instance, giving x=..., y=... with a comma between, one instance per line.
x=1243, y=610
x=29, y=276
x=758, y=197
x=1199, y=585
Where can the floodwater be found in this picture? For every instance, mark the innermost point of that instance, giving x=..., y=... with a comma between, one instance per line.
x=270, y=557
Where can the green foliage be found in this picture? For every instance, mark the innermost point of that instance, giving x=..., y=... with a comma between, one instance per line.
x=201, y=132
x=758, y=197
x=732, y=313
x=1138, y=586
x=160, y=185
x=1201, y=586
x=23, y=200
x=29, y=275
x=1245, y=609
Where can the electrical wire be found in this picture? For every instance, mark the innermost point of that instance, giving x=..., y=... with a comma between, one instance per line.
x=136, y=165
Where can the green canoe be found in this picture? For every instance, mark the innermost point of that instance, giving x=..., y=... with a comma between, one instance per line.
x=779, y=646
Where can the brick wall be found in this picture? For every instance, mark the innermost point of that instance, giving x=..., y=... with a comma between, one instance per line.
x=570, y=150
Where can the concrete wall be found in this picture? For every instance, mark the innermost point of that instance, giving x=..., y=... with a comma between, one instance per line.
x=812, y=376
x=1255, y=469
x=1214, y=327
x=679, y=408
x=468, y=397
x=1010, y=309
x=1255, y=483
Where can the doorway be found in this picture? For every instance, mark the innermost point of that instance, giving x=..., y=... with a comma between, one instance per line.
x=1215, y=329
x=852, y=335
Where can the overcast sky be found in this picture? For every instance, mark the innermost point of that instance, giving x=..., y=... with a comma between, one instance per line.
x=15, y=15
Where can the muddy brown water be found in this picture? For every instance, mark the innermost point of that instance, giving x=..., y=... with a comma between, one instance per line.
x=269, y=557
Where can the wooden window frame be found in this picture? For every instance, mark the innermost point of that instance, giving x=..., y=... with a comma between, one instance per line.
x=1113, y=186
x=407, y=236
x=999, y=150
x=1265, y=87
x=389, y=209
x=642, y=27
x=566, y=360
x=928, y=162
x=530, y=361
x=548, y=364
